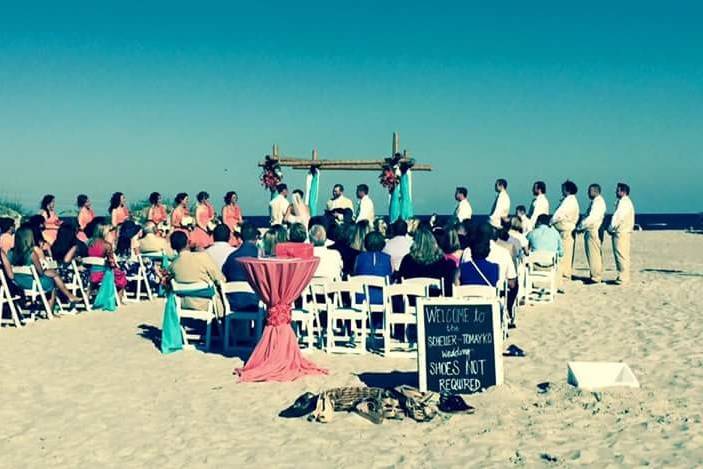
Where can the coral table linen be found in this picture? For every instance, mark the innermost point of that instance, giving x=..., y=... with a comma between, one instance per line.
x=278, y=282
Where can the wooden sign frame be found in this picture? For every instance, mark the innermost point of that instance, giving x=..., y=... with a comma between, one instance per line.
x=421, y=339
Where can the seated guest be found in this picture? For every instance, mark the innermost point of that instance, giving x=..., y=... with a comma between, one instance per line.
x=6, y=267
x=101, y=246
x=497, y=255
x=221, y=248
x=234, y=272
x=451, y=246
x=373, y=262
x=7, y=234
x=126, y=251
x=297, y=233
x=398, y=246
x=26, y=253
x=510, y=244
x=151, y=242
x=545, y=237
x=275, y=235
x=194, y=267
x=517, y=230
x=380, y=225
x=355, y=244
x=297, y=247
x=477, y=270
x=340, y=234
x=331, y=264
x=426, y=259
x=65, y=249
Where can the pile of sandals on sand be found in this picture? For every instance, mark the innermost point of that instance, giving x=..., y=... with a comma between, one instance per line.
x=376, y=404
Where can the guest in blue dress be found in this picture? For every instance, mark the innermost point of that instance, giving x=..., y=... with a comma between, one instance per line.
x=373, y=262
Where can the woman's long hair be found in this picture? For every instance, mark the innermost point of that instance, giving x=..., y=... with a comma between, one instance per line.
x=425, y=249
x=99, y=233
x=180, y=197
x=358, y=235
x=45, y=201
x=65, y=240
x=275, y=235
x=115, y=201
x=24, y=246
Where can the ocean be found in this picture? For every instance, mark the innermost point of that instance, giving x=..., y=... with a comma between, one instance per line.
x=646, y=221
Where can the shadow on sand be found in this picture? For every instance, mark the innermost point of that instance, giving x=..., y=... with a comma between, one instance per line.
x=389, y=380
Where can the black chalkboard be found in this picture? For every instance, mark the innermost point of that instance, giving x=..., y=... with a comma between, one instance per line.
x=459, y=345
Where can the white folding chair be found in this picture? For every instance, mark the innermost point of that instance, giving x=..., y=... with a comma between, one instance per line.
x=405, y=317
x=6, y=298
x=248, y=317
x=208, y=314
x=306, y=316
x=427, y=282
x=367, y=282
x=90, y=262
x=76, y=286
x=37, y=291
x=140, y=278
x=475, y=291
x=542, y=273
x=355, y=314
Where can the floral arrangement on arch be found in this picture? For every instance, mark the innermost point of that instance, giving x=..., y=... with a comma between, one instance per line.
x=271, y=175
x=389, y=177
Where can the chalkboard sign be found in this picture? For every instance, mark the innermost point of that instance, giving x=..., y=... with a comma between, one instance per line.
x=459, y=345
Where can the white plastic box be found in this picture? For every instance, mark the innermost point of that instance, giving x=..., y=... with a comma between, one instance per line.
x=597, y=375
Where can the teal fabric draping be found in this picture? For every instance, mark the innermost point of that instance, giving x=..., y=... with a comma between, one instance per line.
x=171, y=337
x=106, y=298
x=406, y=201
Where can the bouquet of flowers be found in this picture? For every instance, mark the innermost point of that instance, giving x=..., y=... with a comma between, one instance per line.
x=388, y=178
x=271, y=176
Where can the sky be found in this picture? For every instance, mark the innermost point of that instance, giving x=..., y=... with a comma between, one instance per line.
x=98, y=97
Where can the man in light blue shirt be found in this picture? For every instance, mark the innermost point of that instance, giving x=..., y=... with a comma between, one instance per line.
x=545, y=238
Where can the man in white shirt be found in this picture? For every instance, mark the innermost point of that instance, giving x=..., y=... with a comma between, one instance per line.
x=279, y=205
x=590, y=227
x=621, y=226
x=338, y=200
x=540, y=204
x=366, y=210
x=220, y=249
x=564, y=220
x=501, y=206
x=331, y=264
x=463, y=209
x=399, y=245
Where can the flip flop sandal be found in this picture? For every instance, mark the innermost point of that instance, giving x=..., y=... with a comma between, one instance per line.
x=418, y=405
x=514, y=351
x=371, y=410
x=455, y=404
x=303, y=406
x=324, y=411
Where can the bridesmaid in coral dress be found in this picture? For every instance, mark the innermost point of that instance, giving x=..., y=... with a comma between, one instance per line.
x=157, y=212
x=180, y=211
x=232, y=217
x=200, y=238
x=85, y=216
x=52, y=222
x=119, y=212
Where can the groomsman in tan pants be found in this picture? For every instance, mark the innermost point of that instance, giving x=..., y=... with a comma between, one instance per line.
x=590, y=227
x=620, y=230
x=564, y=220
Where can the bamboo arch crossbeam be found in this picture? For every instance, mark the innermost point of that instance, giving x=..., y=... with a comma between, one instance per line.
x=348, y=165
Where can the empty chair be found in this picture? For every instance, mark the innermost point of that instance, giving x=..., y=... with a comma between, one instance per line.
x=401, y=310
x=243, y=340
x=542, y=274
x=352, y=318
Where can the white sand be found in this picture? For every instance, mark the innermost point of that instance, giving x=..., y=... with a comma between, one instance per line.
x=91, y=392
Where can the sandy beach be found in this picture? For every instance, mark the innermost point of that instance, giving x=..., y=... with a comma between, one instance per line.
x=93, y=390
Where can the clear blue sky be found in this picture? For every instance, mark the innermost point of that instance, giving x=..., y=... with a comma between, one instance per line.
x=140, y=96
